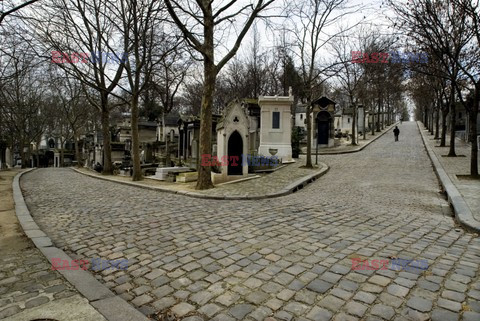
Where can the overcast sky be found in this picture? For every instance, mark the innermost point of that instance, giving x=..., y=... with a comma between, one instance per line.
x=373, y=14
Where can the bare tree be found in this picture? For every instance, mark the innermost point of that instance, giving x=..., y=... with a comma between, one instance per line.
x=24, y=102
x=71, y=111
x=311, y=19
x=14, y=8
x=168, y=78
x=191, y=97
x=350, y=75
x=136, y=21
x=161, y=94
x=82, y=39
x=443, y=28
x=200, y=35
x=469, y=65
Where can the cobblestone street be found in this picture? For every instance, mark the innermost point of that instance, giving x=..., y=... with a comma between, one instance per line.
x=288, y=258
x=27, y=281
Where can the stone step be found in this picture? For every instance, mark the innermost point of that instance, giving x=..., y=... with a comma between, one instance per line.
x=162, y=172
x=169, y=169
x=187, y=177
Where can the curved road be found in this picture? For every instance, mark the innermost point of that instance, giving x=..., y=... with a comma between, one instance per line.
x=289, y=257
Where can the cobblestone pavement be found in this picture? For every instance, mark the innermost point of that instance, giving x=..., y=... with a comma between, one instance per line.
x=470, y=189
x=26, y=277
x=288, y=257
x=345, y=145
x=266, y=183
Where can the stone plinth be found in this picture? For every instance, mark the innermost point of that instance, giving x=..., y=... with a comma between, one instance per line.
x=162, y=172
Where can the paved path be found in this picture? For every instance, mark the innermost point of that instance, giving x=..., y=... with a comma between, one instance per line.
x=345, y=146
x=268, y=183
x=27, y=282
x=470, y=189
x=264, y=185
x=289, y=257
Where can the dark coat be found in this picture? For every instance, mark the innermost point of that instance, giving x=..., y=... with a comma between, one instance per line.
x=396, y=131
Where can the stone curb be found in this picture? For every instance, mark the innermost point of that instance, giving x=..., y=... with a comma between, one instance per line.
x=462, y=211
x=98, y=295
x=358, y=149
x=291, y=188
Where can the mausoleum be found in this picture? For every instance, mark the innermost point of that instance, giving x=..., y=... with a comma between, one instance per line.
x=323, y=122
x=276, y=127
x=233, y=141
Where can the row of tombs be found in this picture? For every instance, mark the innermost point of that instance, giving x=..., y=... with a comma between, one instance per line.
x=257, y=133
x=250, y=132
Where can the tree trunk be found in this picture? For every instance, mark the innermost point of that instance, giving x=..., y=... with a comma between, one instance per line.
x=474, y=142
x=354, y=136
x=432, y=114
x=451, y=152
x=364, y=123
x=425, y=117
x=388, y=113
x=22, y=154
x=62, y=153
x=473, y=132
x=437, y=122
x=165, y=139
x=38, y=151
x=204, y=180
x=29, y=155
x=378, y=118
x=77, y=151
x=107, y=147
x=443, y=139
x=204, y=172
x=383, y=117
x=309, y=134
x=373, y=121
x=37, y=157
x=137, y=170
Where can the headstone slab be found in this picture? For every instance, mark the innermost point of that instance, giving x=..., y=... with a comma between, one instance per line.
x=162, y=172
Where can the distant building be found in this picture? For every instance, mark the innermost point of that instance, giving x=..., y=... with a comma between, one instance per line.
x=301, y=116
x=323, y=122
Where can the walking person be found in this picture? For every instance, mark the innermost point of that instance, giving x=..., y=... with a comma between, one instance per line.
x=396, y=132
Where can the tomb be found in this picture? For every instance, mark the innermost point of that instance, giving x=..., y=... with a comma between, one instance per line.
x=276, y=127
x=323, y=122
x=187, y=177
x=232, y=142
x=161, y=173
